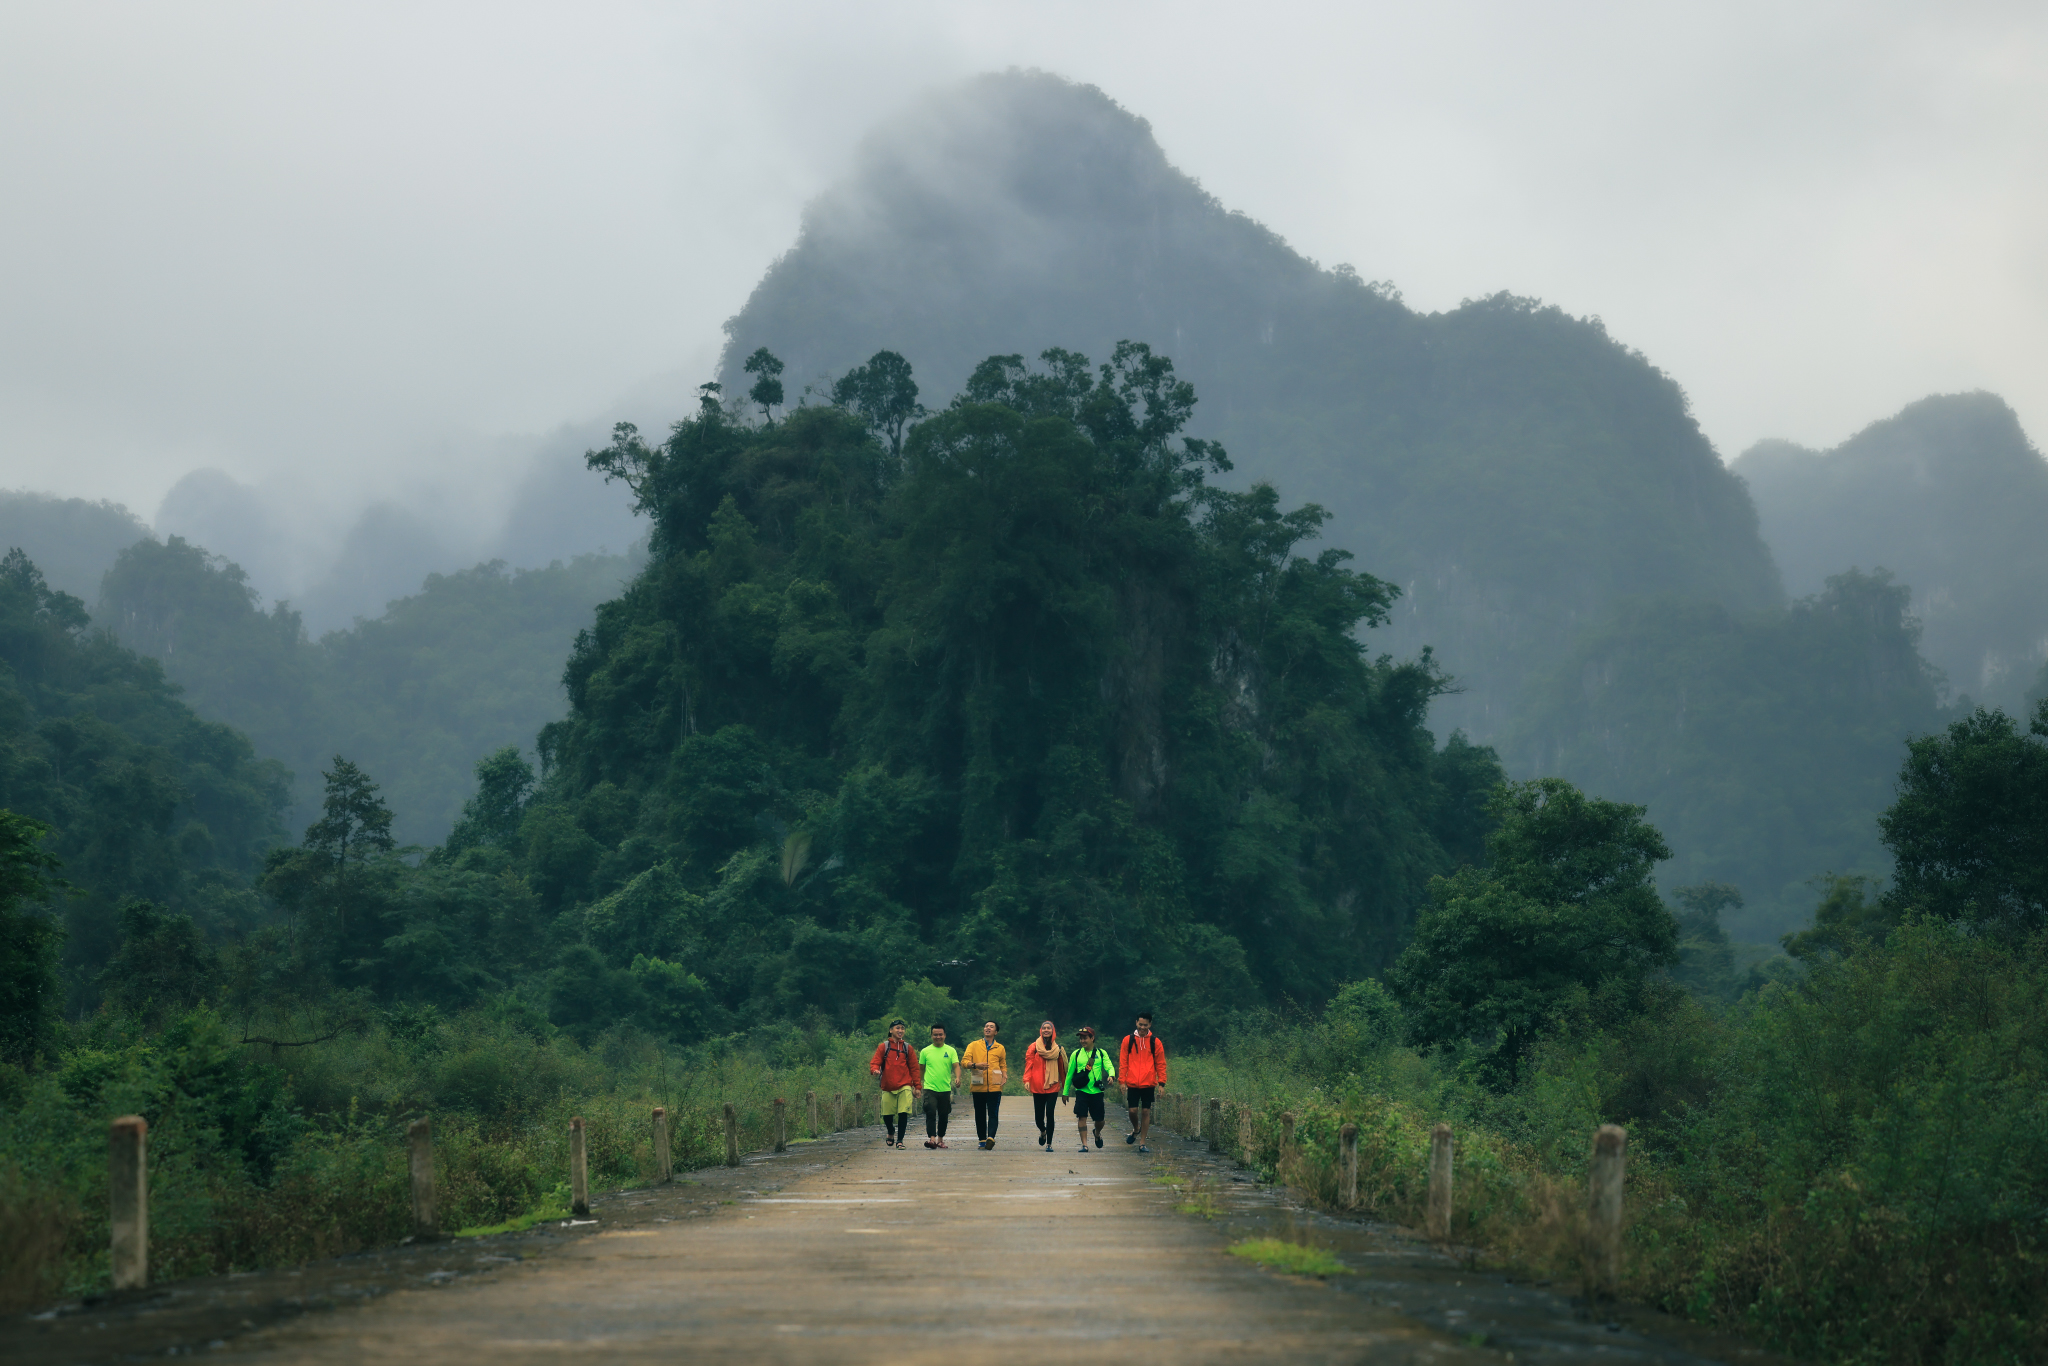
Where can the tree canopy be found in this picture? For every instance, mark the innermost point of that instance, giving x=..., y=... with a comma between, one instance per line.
x=1045, y=710
x=1969, y=831
x=1563, y=914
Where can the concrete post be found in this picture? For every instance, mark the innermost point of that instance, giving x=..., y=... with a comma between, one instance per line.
x=1286, y=1135
x=420, y=1138
x=1610, y=1151
x=1347, y=1151
x=732, y=1137
x=811, y=1110
x=128, y=1200
x=781, y=1132
x=1440, y=1183
x=662, y=1170
x=579, y=1171
x=838, y=1112
x=1244, y=1134
x=1215, y=1125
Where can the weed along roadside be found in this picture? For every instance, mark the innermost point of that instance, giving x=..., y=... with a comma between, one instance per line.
x=139, y=1318
x=1276, y=1217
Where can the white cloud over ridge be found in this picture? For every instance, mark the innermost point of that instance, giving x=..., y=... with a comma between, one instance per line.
x=358, y=252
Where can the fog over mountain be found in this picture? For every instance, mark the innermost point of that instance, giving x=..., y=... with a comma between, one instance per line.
x=550, y=508
x=72, y=540
x=1952, y=498
x=1514, y=469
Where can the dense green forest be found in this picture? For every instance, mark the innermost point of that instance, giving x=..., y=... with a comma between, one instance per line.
x=1030, y=707
x=142, y=798
x=1950, y=496
x=469, y=664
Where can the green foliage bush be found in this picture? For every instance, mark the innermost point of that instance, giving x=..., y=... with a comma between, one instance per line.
x=1850, y=1167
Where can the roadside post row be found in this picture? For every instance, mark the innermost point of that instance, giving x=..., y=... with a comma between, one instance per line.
x=1229, y=1127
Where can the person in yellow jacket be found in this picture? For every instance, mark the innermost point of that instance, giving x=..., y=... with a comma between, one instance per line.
x=988, y=1070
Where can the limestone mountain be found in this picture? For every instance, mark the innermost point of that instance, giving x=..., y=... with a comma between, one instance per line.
x=1951, y=497
x=1515, y=470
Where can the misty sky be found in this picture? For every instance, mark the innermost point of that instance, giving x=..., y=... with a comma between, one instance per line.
x=351, y=248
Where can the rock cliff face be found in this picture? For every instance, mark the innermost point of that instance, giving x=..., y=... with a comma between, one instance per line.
x=1515, y=470
x=1951, y=497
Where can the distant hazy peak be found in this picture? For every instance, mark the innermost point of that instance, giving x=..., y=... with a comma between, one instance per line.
x=1933, y=437
x=1948, y=494
x=1017, y=195
x=1019, y=140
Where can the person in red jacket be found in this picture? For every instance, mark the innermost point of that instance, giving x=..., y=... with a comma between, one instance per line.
x=1141, y=1071
x=896, y=1069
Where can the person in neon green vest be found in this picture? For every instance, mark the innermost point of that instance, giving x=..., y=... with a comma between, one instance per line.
x=941, y=1063
x=1089, y=1069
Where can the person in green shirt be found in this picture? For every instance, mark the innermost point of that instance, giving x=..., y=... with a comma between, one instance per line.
x=941, y=1063
x=1089, y=1069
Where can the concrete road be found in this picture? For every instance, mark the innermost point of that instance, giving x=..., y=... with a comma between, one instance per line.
x=845, y=1251
x=862, y=1253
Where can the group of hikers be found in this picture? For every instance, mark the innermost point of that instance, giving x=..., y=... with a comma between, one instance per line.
x=1053, y=1074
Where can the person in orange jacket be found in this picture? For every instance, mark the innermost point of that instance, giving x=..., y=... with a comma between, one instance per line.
x=896, y=1069
x=1141, y=1071
x=1045, y=1072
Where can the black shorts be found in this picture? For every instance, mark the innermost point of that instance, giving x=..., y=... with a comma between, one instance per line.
x=1087, y=1106
x=1138, y=1097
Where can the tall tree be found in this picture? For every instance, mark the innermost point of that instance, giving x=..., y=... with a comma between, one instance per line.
x=354, y=824
x=29, y=941
x=883, y=393
x=1969, y=830
x=504, y=781
x=767, y=390
x=1563, y=915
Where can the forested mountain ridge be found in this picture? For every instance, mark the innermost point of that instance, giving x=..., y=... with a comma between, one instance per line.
x=1515, y=470
x=145, y=799
x=470, y=663
x=1030, y=708
x=71, y=541
x=1764, y=744
x=1951, y=497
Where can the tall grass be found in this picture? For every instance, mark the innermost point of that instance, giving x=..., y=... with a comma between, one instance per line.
x=1851, y=1168
x=260, y=1161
